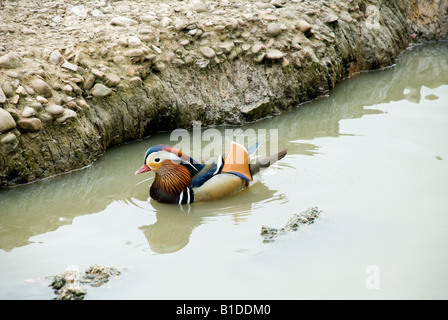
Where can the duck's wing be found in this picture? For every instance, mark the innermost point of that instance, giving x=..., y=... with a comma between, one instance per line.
x=210, y=168
x=237, y=161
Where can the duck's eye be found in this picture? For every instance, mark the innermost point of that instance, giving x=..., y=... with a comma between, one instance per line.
x=157, y=160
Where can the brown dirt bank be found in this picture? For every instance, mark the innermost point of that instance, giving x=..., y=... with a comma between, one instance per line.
x=79, y=76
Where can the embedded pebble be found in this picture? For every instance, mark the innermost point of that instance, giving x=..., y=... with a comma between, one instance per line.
x=273, y=29
x=134, y=41
x=89, y=82
x=67, y=89
x=256, y=48
x=113, y=80
x=133, y=53
x=80, y=11
x=2, y=96
x=304, y=26
x=344, y=15
x=8, y=138
x=41, y=87
x=7, y=122
x=184, y=42
x=7, y=88
x=54, y=109
x=331, y=18
x=41, y=99
x=55, y=57
x=21, y=91
x=30, y=124
x=10, y=61
x=274, y=54
x=207, y=52
x=100, y=90
x=68, y=114
x=69, y=66
x=28, y=112
x=227, y=46
x=123, y=22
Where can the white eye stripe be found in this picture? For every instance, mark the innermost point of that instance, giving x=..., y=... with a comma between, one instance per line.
x=162, y=155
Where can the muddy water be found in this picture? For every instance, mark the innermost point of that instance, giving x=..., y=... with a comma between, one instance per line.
x=372, y=156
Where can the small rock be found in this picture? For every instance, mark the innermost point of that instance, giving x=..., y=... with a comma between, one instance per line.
x=135, y=81
x=97, y=13
x=28, y=31
x=148, y=18
x=10, y=137
x=274, y=54
x=97, y=73
x=165, y=22
x=12, y=74
x=277, y=3
x=89, y=82
x=2, y=96
x=30, y=90
x=41, y=87
x=21, y=91
x=15, y=99
x=156, y=49
x=245, y=47
x=54, y=110
x=28, y=112
x=7, y=122
x=179, y=24
x=344, y=15
x=70, y=66
x=7, y=88
x=10, y=61
x=184, y=42
x=76, y=89
x=67, y=89
x=68, y=114
x=256, y=48
x=100, y=90
x=304, y=26
x=55, y=57
x=273, y=29
x=331, y=18
x=260, y=57
x=269, y=17
x=133, y=53
x=41, y=99
x=30, y=124
x=198, y=6
x=159, y=66
x=80, y=11
x=123, y=22
x=207, y=52
x=113, y=80
x=134, y=41
x=227, y=46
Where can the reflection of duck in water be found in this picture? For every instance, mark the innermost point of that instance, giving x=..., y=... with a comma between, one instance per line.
x=181, y=180
x=174, y=225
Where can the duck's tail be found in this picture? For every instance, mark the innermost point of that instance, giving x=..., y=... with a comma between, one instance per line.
x=262, y=162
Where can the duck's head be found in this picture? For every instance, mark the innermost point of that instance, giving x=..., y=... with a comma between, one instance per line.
x=161, y=156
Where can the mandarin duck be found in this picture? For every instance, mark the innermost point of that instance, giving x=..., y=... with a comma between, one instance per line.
x=181, y=180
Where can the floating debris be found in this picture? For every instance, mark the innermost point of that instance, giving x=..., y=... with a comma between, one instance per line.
x=68, y=285
x=304, y=218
